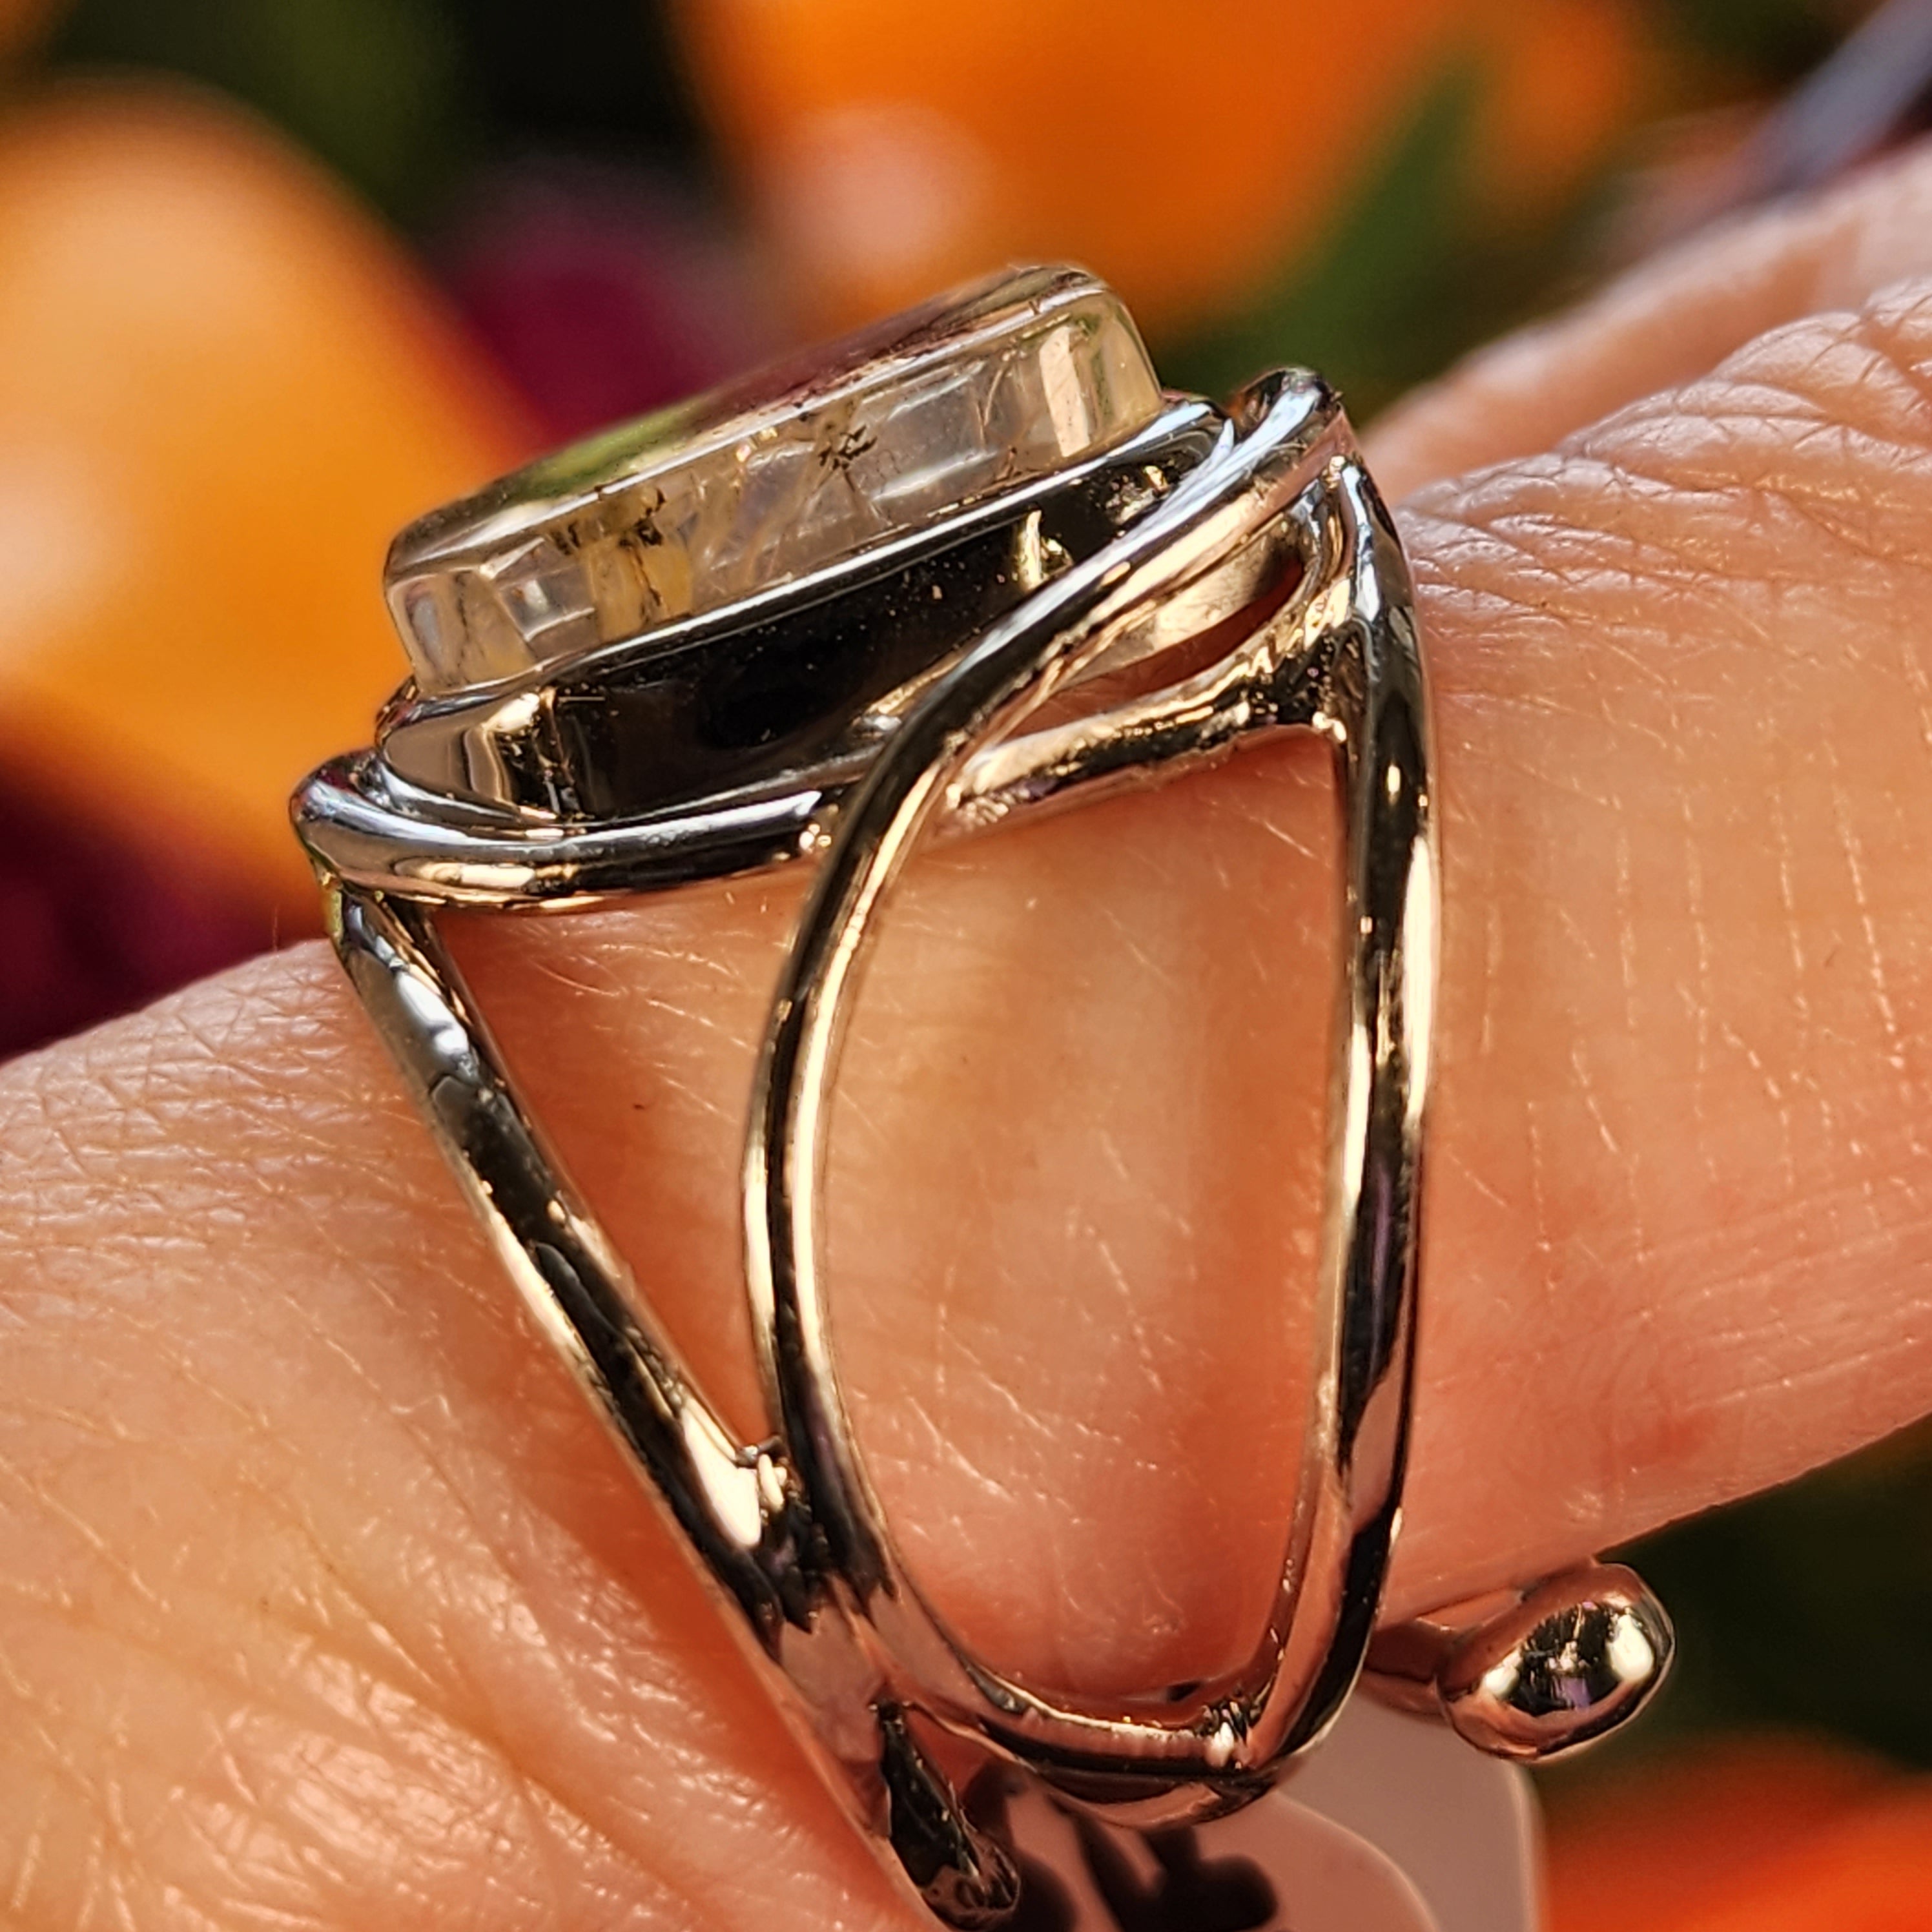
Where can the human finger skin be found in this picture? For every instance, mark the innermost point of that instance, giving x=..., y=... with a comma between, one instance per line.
x=1663, y=323
x=326, y=1600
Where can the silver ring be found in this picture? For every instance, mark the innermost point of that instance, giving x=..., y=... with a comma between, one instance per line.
x=993, y=502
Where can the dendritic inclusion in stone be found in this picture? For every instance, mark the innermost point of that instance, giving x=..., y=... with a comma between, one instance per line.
x=703, y=504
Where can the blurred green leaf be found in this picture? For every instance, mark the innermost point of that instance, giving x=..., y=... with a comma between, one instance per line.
x=377, y=88
x=1412, y=275
x=1808, y=1609
x=602, y=75
x=1776, y=41
x=403, y=97
x=1812, y=1605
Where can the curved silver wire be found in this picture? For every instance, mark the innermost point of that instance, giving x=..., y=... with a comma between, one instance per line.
x=1277, y=534
x=1340, y=657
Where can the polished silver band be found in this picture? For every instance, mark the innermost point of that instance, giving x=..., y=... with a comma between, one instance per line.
x=1260, y=525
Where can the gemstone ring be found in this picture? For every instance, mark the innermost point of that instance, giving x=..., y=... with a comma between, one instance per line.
x=816, y=619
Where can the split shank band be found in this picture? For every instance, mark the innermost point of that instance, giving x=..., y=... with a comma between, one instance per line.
x=880, y=686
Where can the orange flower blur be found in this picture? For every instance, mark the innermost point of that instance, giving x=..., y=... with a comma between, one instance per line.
x=1752, y=1834
x=23, y=21
x=1183, y=150
x=220, y=391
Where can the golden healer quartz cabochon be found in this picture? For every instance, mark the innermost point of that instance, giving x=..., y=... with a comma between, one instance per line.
x=808, y=464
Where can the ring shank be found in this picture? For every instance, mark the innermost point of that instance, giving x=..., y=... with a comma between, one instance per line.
x=1347, y=665
x=1276, y=518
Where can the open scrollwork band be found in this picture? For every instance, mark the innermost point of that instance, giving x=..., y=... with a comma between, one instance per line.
x=1257, y=529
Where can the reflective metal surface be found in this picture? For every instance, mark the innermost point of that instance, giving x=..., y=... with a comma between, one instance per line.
x=1338, y=656
x=1550, y=1669
x=594, y=775
x=716, y=746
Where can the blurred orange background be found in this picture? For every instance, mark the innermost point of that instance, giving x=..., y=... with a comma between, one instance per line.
x=1186, y=152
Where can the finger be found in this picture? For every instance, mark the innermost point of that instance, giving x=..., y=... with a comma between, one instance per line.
x=327, y=1598
x=1666, y=323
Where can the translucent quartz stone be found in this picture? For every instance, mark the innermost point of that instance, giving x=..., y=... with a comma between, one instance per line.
x=808, y=463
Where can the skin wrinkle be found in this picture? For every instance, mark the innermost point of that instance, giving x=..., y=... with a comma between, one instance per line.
x=1663, y=477
x=1647, y=647
x=1698, y=918
x=1664, y=325
x=378, y=1803
x=204, y=1677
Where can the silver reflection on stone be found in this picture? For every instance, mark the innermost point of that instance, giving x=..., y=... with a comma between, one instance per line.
x=816, y=619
